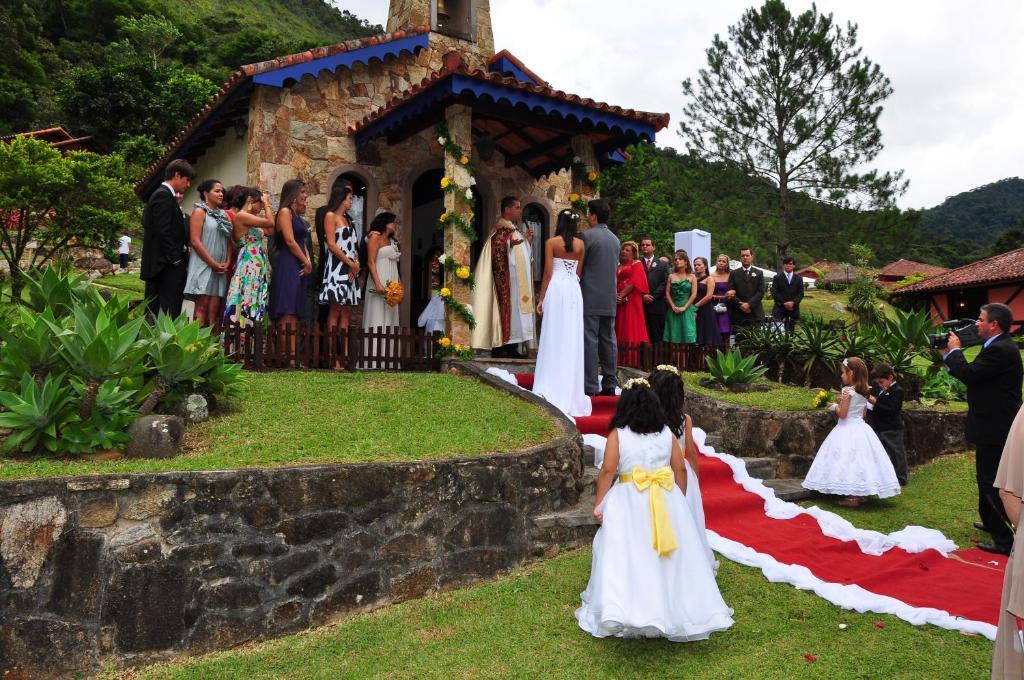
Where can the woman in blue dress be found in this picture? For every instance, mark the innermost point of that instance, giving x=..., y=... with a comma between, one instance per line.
x=291, y=263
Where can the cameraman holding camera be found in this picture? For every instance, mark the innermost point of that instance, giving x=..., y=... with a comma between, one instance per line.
x=993, y=383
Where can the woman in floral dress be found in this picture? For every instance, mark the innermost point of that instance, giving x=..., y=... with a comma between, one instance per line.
x=249, y=289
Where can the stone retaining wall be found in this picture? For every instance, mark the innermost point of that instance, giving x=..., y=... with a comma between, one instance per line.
x=794, y=436
x=139, y=566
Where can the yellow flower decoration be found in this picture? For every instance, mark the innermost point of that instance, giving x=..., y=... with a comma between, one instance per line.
x=592, y=176
x=458, y=348
x=462, y=272
x=444, y=342
x=444, y=216
x=464, y=160
x=446, y=182
x=573, y=198
x=446, y=292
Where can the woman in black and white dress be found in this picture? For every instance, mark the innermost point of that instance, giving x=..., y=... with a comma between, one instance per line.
x=339, y=289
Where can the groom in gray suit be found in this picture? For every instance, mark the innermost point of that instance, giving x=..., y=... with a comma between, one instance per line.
x=599, y=304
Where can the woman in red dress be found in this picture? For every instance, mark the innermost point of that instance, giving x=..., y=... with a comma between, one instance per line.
x=630, y=328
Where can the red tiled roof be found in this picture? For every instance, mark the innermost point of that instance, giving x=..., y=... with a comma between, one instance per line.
x=57, y=134
x=245, y=73
x=902, y=268
x=59, y=138
x=997, y=269
x=519, y=64
x=658, y=120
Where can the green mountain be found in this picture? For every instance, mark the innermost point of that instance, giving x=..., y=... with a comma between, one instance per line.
x=978, y=215
x=132, y=72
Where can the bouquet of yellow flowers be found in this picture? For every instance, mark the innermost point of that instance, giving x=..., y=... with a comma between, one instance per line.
x=822, y=398
x=393, y=293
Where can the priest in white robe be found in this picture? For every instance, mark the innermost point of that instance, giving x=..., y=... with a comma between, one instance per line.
x=503, y=296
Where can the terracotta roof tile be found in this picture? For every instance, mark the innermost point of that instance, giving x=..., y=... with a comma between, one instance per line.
x=658, y=120
x=518, y=63
x=902, y=268
x=245, y=73
x=996, y=269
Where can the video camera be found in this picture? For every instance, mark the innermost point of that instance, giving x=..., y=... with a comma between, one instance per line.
x=964, y=329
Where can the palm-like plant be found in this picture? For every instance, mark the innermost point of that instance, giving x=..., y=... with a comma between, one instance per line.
x=36, y=414
x=97, y=348
x=179, y=352
x=910, y=328
x=859, y=341
x=817, y=347
x=52, y=289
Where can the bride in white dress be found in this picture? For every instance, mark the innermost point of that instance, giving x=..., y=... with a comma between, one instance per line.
x=852, y=462
x=649, y=576
x=559, y=373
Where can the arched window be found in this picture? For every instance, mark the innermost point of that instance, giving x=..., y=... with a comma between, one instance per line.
x=359, y=199
x=535, y=216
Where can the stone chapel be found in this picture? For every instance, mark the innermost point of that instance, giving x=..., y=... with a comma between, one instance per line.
x=367, y=111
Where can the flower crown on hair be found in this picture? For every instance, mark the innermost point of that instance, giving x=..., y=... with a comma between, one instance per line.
x=572, y=215
x=636, y=382
x=846, y=363
x=668, y=367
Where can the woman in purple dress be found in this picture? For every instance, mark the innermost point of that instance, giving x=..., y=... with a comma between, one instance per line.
x=291, y=263
x=708, y=332
x=720, y=298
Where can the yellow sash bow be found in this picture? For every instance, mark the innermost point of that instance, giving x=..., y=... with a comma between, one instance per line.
x=664, y=537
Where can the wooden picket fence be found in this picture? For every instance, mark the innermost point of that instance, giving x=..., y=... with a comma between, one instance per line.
x=312, y=346
x=645, y=356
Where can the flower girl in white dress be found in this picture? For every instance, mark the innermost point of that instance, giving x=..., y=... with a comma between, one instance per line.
x=668, y=387
x=649, y=576
x=852, y=462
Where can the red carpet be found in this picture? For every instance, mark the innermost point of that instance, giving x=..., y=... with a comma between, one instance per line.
x=965, y=584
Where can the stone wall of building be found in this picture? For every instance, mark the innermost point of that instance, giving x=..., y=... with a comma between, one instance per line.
x=142, y=566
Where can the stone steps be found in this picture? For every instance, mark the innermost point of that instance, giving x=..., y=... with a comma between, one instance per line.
x=761, y=468
x=788, y=489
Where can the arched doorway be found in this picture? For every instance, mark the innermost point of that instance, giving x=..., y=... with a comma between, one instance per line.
x=427, y=206
x=535, y=216
x=359, y=199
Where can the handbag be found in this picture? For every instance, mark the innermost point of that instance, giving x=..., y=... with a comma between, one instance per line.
x=720, y=308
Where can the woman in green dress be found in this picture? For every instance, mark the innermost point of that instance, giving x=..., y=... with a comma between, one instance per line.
x=681, y=292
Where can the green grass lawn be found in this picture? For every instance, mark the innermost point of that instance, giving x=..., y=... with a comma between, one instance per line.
x=293, y=418
x=522, y=626
x=819, y=303
x=129, y=285
x=780, y=397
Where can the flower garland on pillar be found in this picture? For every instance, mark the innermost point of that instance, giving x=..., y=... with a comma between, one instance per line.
x=462, y=221
x=590, y=180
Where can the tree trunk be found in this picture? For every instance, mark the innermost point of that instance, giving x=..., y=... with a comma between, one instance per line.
x=17, y=282
x=89, y=400
x=159, y=390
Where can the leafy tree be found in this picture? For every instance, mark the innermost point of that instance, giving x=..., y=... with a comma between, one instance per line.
x=250, y=45
x=1011, y=239
x=791, y=100
x=52, y=201
x=150, y=35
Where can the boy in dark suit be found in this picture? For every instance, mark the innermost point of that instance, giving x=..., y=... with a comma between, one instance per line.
x=886, y=406
x=787, y=291
x=165, y=241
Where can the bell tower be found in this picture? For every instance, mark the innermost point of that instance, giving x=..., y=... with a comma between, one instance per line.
x=465, y=20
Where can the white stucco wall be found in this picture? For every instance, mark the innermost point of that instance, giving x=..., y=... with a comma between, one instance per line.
x=225, y=161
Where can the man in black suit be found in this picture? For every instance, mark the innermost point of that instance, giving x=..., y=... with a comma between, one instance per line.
x=787, y=291
x=654, y=301
x=746, y=290
x=993, y=382
x=886, y=406
x=165, y=241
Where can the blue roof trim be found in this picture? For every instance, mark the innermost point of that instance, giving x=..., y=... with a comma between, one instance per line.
x=279, y=77
x=616, y=157
x=505, y=65
x=456, y=84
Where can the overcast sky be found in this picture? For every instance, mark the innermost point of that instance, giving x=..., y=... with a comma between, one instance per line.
x=954, y=122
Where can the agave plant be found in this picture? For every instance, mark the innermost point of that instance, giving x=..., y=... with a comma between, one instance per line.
x=910, y=328
x=733, y=368
x=98, y=348
x=36, y=414
x=29, y=346
x=859, y=341
x=180, y=352
x=53, y=289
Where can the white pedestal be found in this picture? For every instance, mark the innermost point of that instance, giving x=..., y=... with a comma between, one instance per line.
x=696, y=243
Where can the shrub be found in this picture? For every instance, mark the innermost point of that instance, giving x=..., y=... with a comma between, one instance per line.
x=733, y=369
x=74, y=366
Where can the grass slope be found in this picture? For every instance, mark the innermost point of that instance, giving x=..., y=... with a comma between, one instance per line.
x=291, y=418
x=522, y=626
